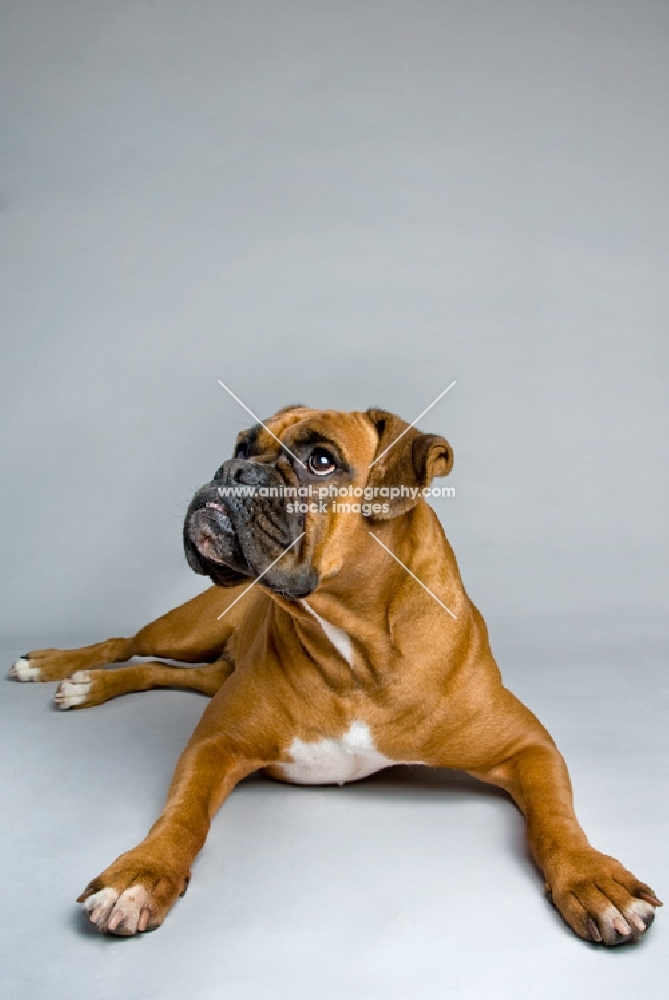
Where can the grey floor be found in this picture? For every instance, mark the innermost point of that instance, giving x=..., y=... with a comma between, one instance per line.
x=410, y=884
x=347, y=204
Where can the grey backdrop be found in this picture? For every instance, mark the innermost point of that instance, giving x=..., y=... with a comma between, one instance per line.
x=346, y=204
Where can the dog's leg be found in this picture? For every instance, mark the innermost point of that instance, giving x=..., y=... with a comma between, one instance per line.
x=86, y=688
x=54, y=664
x=599, y=899
x=138, y=889
x=191, y=633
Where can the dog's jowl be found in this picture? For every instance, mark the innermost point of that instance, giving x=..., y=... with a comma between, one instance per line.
x=337, y=639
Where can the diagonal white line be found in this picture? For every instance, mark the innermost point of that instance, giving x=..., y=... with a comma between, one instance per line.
x=412, y=424
x=412, y=574
x=292, y=544
x=259, y=421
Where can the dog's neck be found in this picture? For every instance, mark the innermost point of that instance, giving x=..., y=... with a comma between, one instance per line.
x=340, y=639
x=356, y=607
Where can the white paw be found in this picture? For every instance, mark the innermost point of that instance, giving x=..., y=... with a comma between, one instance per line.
x=98, y=906
x=616, y=927
x=21, y=670
x=640, y=915
x=73, y=691
x=124, y=913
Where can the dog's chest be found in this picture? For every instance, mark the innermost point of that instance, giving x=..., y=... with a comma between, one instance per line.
x=335, y=761
x=340, y=759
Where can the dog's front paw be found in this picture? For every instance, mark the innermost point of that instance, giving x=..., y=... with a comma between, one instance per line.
x=46, y=664
x=74, y=692
x=134, y=894
x=600, y=900
x=23, y=670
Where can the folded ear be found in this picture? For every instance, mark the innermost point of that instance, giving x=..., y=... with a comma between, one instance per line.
x=409, y=465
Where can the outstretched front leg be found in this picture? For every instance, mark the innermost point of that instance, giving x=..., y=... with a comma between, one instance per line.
x=86, y=688
x=599, y=899
x=55, y=664
x=192, y=633
x=232, y=740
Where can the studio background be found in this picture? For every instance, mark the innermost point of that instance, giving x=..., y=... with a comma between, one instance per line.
x=344, y=204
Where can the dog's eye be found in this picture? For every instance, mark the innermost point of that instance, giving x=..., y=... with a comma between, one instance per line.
x=321, y=462
x=242, y=451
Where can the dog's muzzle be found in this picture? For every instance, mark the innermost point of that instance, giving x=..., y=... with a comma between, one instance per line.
x=211, y=531
x=231, y=532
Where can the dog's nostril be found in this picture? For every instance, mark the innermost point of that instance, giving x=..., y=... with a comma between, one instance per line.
x=248, y=475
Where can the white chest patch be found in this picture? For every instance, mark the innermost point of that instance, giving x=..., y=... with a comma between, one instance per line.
x=339, y=639
x=335, y=761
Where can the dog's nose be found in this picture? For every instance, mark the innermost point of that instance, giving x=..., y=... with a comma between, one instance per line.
x=247, y=473
x=243, y=473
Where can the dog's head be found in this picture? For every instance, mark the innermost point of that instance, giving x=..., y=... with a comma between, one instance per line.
x=299, y=489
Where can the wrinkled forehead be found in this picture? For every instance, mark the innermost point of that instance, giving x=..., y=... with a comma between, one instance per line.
x=352, y=433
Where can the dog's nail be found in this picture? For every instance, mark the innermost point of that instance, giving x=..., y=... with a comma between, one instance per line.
x=635, y=919
x=621, y=926
x=651, y=898
x=594, y=930
x=143, y=919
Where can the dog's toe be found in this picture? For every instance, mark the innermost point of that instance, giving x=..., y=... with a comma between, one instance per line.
x=98, y=907
x=640, y=915
x=123, y=913
x=23, y=670
x=73, y=692
x=602, y=901
x=617, y=926
x=131, y=912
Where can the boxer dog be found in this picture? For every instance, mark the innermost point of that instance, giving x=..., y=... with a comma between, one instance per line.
x=357, y=649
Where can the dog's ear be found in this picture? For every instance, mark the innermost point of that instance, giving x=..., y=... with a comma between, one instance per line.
x=410, y=463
